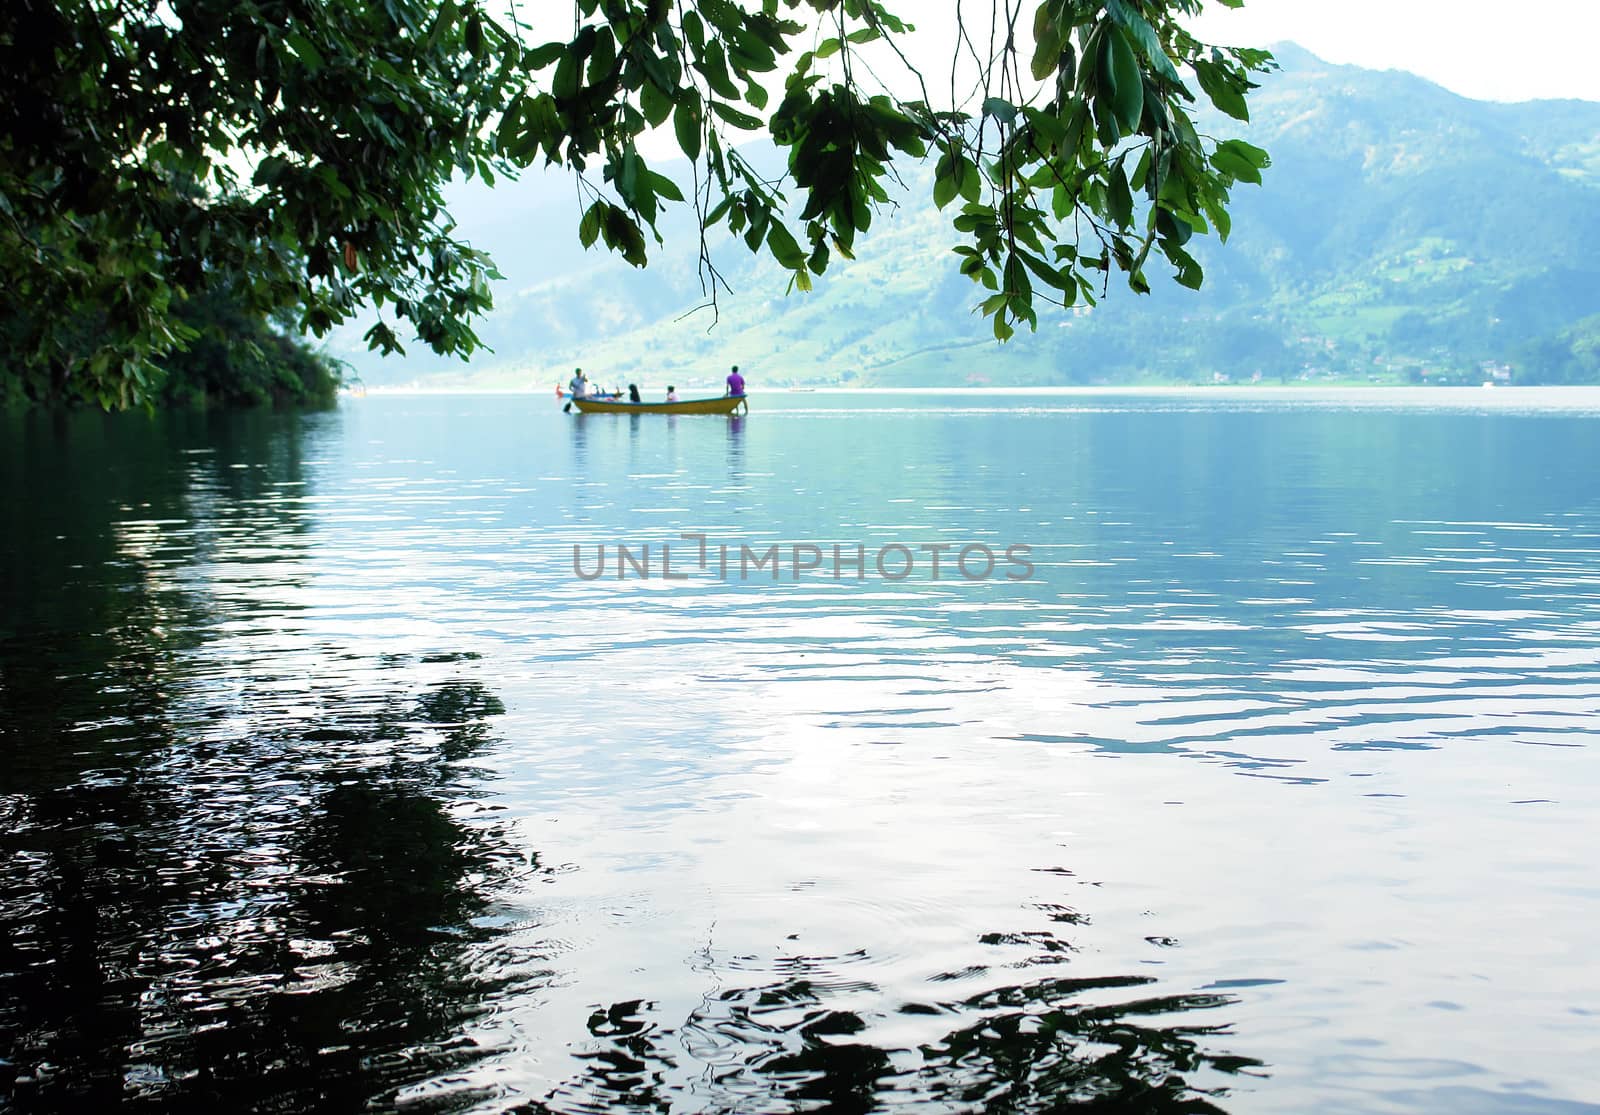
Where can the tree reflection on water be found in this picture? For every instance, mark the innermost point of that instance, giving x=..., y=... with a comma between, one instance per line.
x=1044, y=1046
x=292, y=926
x=227, y=878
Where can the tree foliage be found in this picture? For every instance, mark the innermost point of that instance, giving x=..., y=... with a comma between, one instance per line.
x=1073, y=156
x=297, y=145
x=1572, y=356
x=237, y=359
x=301, y=147
x=232, y=357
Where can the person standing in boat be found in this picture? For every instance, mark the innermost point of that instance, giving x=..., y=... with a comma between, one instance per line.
x=672, y=393
x=735, y=382
x=579, y=387
x=633, y=393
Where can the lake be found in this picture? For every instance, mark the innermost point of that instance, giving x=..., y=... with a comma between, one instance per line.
x=1258, y=773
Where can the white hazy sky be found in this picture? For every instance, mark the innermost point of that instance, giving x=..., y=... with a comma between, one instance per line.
x=1522, y=50
x=1489, y=51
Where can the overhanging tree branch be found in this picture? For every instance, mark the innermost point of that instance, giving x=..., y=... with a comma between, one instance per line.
x=126, y=125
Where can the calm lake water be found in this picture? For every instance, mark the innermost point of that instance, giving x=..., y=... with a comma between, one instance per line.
x=328, y=785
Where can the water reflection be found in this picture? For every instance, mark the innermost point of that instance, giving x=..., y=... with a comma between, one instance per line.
x=788, y=1044
x=280, y=917
x=225, y=879
x=578, y=431
x=272, y=839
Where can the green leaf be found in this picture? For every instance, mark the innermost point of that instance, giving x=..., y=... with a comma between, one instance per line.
x=784, y=248
x=1143, y=36
x=1141, y=173
x=1172, y=228
x=589, y=227
x=818, y=262
x=1001, y=109
x=271, y=169
x=714, y=65
x=542, y=57
x=1047, y=274
x=1119, y=198
x=622, y=234
x=664, y=186
x=1223, y=89
x=603, y=58
x=627, y=178
x=1248, y=152
x=1240, y=160
x=694, y=29
x=1017, y=284
x=1189, y=272
x=655, y=70
x=1230, y=164
x=1120, y=66
x=755, y=235
x=971, y=180
x=441, y=24
x=1061, y=202
x=733, y=116
x=305, y=50
x=1048, y=36
x=1047, y=128
x=565, y=83
x=1219, y=217
x=655, y=104
x=686, y=121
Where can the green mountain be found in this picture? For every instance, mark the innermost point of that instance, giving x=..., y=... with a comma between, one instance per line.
x=1404, y=233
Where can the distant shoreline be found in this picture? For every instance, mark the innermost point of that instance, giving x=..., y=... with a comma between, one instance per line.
x=1234, y=390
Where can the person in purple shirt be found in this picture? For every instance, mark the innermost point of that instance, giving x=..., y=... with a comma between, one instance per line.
x=735, y=382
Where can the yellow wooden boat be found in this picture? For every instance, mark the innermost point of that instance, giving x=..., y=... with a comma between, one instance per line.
x=726, y=404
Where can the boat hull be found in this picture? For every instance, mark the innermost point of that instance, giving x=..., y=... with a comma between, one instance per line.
x=727, y=404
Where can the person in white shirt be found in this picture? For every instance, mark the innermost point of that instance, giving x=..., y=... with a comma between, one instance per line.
x=579, y=387
x=672, y=394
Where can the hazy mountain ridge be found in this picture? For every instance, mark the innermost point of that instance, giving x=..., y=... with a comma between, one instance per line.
x=1403, y=232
